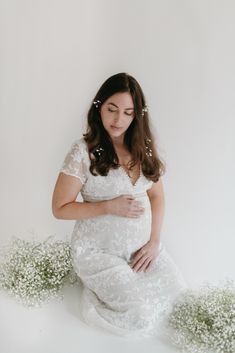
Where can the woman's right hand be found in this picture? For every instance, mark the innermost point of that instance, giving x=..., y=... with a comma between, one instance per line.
x=125, y=206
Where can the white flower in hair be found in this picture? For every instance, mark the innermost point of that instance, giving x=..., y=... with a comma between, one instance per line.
x=97, y=103
x=144, y=109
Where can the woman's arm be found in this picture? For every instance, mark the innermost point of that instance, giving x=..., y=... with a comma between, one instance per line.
x=64, y=205
x=157, y=200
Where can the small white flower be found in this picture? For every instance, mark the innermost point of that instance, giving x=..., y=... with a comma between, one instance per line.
x=203, y=320
x=35, y=272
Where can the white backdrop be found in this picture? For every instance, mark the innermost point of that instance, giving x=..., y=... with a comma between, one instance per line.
x=54, y=57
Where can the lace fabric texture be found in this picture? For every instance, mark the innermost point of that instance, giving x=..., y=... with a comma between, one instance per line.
x=114, y=297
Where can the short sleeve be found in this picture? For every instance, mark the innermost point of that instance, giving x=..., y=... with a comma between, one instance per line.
x=74, y=163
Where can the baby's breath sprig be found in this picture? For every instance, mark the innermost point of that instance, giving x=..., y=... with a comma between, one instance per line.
x=35, y=272
x=203, y=320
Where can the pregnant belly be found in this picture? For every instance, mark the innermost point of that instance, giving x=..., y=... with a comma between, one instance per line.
x=112, y=233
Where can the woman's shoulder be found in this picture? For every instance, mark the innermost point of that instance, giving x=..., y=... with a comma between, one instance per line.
x=79, y=146
x=80, y=143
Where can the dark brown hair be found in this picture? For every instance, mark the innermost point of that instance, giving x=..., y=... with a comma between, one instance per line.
x=138, y=137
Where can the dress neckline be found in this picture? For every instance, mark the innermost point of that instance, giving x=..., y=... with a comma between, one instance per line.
x=129, y=179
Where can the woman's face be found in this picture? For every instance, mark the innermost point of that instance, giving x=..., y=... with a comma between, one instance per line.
x=117, y=113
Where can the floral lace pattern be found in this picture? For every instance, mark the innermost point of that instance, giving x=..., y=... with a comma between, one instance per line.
x=115, y=297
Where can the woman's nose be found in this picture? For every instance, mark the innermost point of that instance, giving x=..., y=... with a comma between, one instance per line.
x=118, y=116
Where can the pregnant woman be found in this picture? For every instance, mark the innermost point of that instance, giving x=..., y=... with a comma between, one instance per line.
x=129, y=281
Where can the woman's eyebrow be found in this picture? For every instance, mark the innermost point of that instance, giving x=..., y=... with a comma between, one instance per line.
x=117, y=106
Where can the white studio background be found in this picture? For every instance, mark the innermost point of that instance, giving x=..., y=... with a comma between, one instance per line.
x=54, y=57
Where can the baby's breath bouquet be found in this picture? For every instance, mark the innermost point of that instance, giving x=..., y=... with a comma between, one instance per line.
x=203, y=320
x=34, y=272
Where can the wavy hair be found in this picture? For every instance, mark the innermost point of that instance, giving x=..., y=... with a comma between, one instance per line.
x=138, y=137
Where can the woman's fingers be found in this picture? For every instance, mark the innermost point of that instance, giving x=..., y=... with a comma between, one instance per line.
x=135, y=208
x=126, y=206
x=132, y=214
x=136, y=211
x=135, y=214
x=139, y=256
x=148, y=266
x=141, y=265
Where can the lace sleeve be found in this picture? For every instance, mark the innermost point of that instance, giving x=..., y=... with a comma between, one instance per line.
x=74, y=162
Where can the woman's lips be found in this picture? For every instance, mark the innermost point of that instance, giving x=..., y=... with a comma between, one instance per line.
x=115, y=127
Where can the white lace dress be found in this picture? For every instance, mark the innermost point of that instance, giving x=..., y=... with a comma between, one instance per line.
x=127, y=303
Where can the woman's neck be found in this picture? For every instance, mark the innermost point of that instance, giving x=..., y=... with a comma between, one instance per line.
x=118, y=141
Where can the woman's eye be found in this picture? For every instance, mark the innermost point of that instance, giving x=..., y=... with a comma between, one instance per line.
x=113, y=111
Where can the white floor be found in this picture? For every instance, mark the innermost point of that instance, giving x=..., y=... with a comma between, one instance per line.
x=57, y=328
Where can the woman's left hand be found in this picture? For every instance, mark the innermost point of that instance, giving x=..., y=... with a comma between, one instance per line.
x=145, y=256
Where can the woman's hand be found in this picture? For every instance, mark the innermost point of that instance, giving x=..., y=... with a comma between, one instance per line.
x=125, y=206
x=144, y=257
